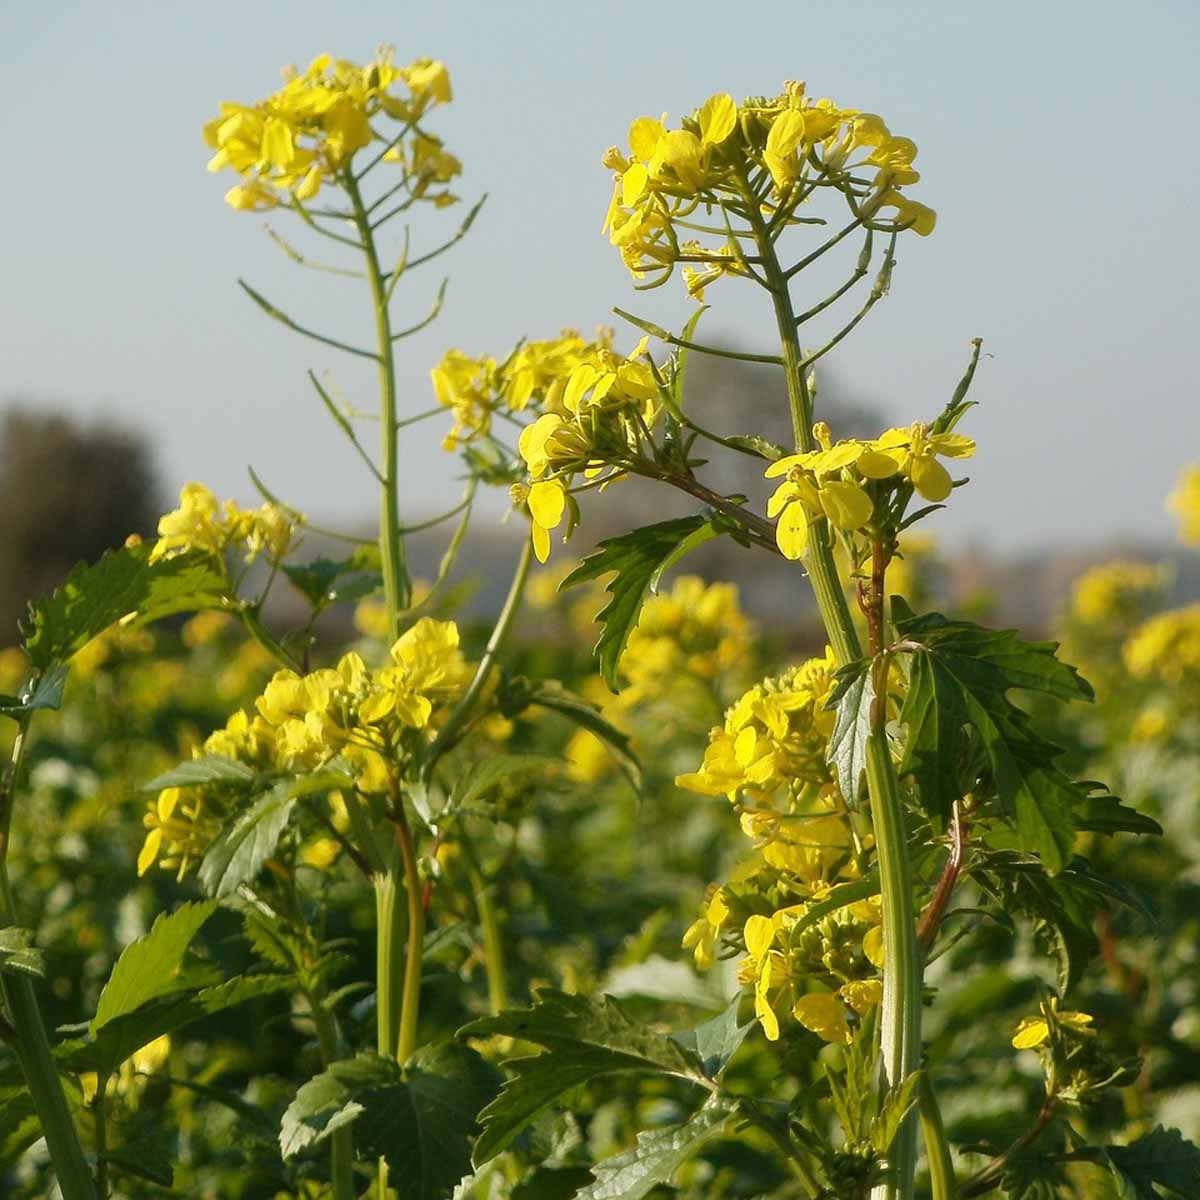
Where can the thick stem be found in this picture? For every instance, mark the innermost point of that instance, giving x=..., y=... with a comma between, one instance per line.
x=29, y=1040
x=389, y=947
x=900, y=1018
x=397, y=587
x=406, y=1041
x=100, y=1115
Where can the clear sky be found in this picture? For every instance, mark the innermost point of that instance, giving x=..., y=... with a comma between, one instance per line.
x=1056, y=145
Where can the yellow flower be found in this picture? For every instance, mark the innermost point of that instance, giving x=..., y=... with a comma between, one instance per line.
x=1033, y=1031
x=825, y=1014
x=1184, y=502
x=702, y=935
x=547, y=505
x=913, y=453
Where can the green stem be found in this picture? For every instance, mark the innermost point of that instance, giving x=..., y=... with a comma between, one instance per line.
x=406, y=1041
x=29, y=1039
x=341, y=1142
x=463, y=710
x=100, y=1115
x=389, y=946
x=397, y=588
x=900, y=1018
x=942, y=1183
x=489, y=926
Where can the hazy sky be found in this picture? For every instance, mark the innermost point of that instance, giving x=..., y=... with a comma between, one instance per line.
x=1055, y=144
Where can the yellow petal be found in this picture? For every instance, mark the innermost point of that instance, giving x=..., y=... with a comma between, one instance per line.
x=952, y=445
x=149, y=852
x=759, y=933
x=825, y=1014
x=1032, y=1031
x=716, y=118
x=781, y=466
x=633, y=184
x=644, y=135
x=930, y=478
x=863, y=994
x=547, y=502
x=873, y=946
x=541, y=543
x=875, y=465
x=845, y=504
x=791, y=532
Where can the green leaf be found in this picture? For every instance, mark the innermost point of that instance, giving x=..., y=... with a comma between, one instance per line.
x=638, y=558
x=122, y=1036
x=898, y=1103
x=487, y=773
x=331, y=1100
x=585, y=1039
x=238, y=852
x=122, y=582
x=208, y=768
x=44, y=690
x=145, y=1158
x=421, y=1119
x=655, y=1158
x=18, y=954
x=1108, y=815
x=325, y=581
x=716, y=1041
x=852, y=697
x=757, y=445
x=1161, y=1158
x=147, y=968
x=518, y=693
x=960, y=676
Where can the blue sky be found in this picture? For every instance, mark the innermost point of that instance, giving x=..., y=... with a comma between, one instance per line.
x=1055, y=145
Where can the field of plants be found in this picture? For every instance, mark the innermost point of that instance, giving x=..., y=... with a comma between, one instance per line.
x=619, y=892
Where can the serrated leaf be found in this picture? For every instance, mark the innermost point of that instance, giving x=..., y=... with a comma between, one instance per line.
x=18, y=954
x=897, y=1104
x=716, y=1041
x=655, y=1158
x=208, y=768
x=122, y=582
x=496, y=769
x=960, y=676
x=1108, y=815
x=122, y=1036
x=238, y=852
x=584, y=1039
x=330, y=1100
x=420, y=1120
x=852, y=699
x=517, y=694
x=1161, y=1158
x=637, y=558
x=147, y=968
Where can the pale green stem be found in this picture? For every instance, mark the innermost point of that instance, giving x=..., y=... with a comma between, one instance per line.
x=900, y=1018
x=29, y=1039
x=942, y=1183
x=397, y=587
x=389, y=946
x=489, y=927
x=406, y=1041
x=341, y=1141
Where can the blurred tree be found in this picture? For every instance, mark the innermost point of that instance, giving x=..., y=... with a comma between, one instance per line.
x=67, y=492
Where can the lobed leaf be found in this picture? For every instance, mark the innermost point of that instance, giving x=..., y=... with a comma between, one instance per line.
x=638, y=559
x=238, y=852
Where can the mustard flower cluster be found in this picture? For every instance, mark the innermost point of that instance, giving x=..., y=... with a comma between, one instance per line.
x=593, y=408
x=1184, y=502
x=689, y=643
x=756, y=162
x=306, y=134
x=769, y=759
x=201, y=523
x=835, y=480
x=371, y=721
x=475, y=389
x=1166, y=650
x=1116, y=593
